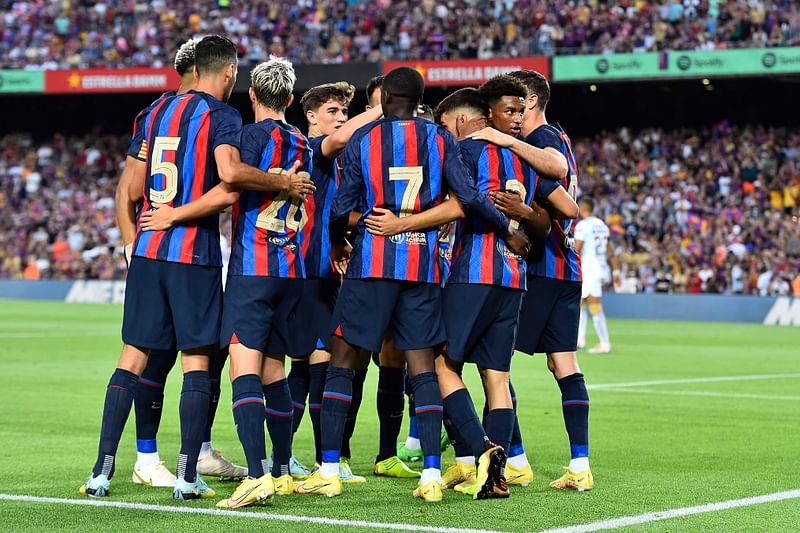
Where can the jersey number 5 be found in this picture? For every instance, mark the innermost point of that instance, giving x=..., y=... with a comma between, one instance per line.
x=269, y=219
x=166, y=168
x=413, y=175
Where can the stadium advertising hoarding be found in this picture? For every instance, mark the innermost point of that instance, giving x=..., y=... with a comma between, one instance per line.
x=134, y=80
x=469, y=71
x=677, y=64
x=771, y=311
x=21, y=81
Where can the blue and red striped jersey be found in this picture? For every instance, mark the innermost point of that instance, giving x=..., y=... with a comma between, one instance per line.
x=555, y=256
x=480, y=255
x=266, y=224
x=137, y=137
x=316, y=241
x=404, y=165
x=182, y=133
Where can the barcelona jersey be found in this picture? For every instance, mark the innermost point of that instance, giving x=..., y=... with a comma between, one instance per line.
x=555, y=256
x=405, y=166
x=268, y=225
x=480, y=255
x=138, y=146
x=182, y=133
x=316, y=241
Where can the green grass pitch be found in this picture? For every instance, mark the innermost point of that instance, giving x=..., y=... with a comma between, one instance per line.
x=654, y=446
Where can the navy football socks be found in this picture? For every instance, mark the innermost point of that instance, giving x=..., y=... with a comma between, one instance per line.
x=298, y=379
x=516, y=447
x=336, y=400
x=575, y=406
x=216, y=365
x=390, y=410
x=195, y=400
x=317, y=374
x=149, y=401
x=279, y=424
x=249, y=415
x=429, y=417
x=119, y=398
x=460, y=446
x=464, y=418
x=499, y=425
x=352, y=413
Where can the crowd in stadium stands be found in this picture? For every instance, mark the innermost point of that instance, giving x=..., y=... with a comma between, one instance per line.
x=712, y=211
x=126, y=33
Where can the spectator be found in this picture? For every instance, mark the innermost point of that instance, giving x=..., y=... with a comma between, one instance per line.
x=121, y=33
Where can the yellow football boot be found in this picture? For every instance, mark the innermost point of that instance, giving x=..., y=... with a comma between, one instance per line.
x=519, y=476
x=251, y=491
x=283, y=485
x=579, y=481
x=456, y=474
x=316, y=484
x=431, y=491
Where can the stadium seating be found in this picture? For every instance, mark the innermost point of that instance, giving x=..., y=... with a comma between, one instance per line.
x=684, y=218
x=120, y=33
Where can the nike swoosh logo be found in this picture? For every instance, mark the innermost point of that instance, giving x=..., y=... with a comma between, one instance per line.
x=510, y=479
x=315, y=487
x=241, y=498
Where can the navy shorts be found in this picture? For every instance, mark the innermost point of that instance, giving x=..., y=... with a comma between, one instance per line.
x=481, y=324
x=368, y=308
x=548, y=320
x=258, y=311
x=311, y=326
x=171, y=306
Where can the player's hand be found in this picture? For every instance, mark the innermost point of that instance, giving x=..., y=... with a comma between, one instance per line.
x=128, y=251
x=493, y=136
x=300, y=183
x=340, y=257
x=519, y=242
x=383, y=222
x=160, y=217
x=446, y=230
x=510, y=203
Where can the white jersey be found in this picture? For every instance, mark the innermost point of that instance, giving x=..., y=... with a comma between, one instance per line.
x=594, y=234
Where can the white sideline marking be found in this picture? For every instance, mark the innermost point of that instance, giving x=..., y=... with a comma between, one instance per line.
x=242, y=514
x=712, y=379
x=709, y=394
x=675, y=513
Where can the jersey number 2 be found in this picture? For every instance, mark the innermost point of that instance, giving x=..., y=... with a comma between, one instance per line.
x=269, y=219
x=517, y=187
x=166, y=168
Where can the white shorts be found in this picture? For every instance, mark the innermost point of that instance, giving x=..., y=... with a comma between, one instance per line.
x=592, y=286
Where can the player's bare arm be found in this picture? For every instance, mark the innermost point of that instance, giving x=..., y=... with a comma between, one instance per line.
x=163, y=216
x=334, y=144
x=232, y=171
x=384, y=222
x=135, y=180
x=547, y=162
x=126, y=208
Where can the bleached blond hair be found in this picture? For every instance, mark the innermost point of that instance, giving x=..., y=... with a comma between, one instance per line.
x=184, y=57
x=273, y=82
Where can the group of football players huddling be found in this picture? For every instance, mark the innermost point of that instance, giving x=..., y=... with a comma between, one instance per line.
x=421, y=239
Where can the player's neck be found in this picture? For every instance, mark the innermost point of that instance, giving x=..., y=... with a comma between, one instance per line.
x=399, y=111
x=188, y=82
x=533, y=119
x=314, y=131
x=265, y=113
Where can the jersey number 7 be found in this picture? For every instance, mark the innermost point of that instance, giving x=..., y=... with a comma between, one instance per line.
x=414, y=176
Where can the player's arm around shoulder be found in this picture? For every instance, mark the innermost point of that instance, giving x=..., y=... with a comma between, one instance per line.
x=335, y=143
x=234, y=170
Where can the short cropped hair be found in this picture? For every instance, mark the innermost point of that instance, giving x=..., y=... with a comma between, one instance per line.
x=184, y=57
x=213, y=53
x=536, y=84
x=466, y=98
x=588, y=201
x=404, y=82
x=373, y=84
x=499, y=86
x=273, y=82
x=314, y=98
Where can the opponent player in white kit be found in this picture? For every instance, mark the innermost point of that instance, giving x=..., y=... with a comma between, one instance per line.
x=593, y=245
